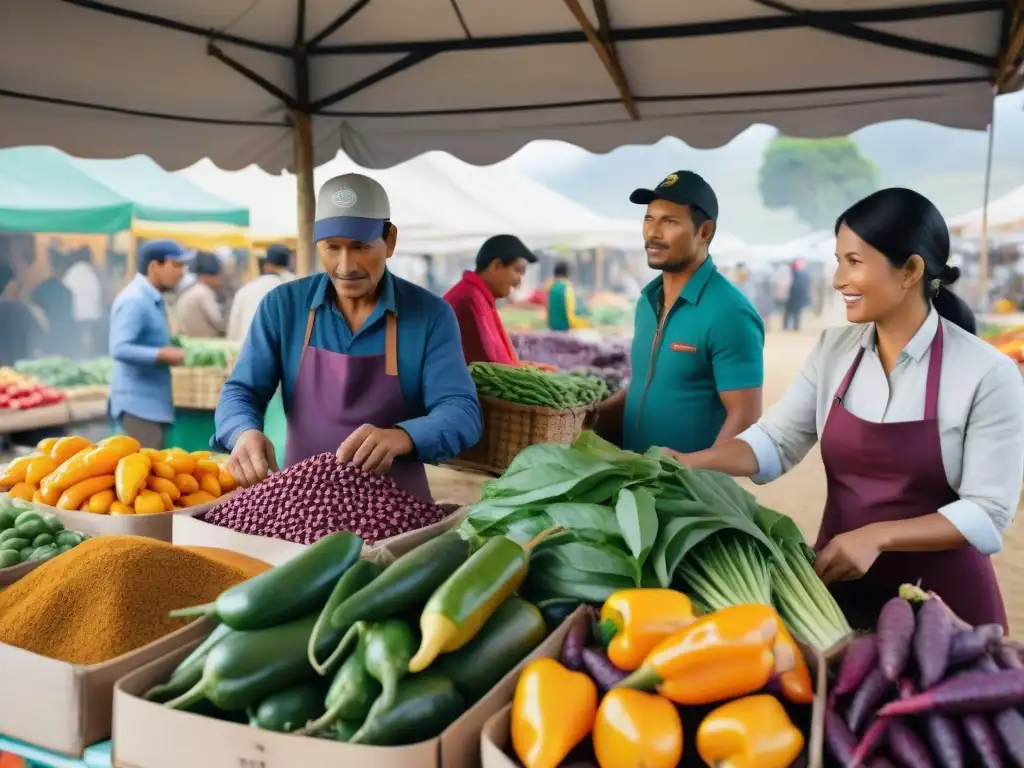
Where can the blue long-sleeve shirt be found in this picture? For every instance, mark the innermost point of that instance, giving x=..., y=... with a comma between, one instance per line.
x=140, y=386
x=444, y=413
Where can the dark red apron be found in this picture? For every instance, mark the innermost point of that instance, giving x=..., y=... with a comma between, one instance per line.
x=894, y=471
x=335, y=394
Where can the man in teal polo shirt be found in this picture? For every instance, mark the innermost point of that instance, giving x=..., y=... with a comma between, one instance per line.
x=698, y=343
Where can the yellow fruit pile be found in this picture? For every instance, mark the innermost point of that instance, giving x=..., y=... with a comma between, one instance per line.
x=115, y=477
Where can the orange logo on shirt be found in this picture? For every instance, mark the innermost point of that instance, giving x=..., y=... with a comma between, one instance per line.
x=678, y=346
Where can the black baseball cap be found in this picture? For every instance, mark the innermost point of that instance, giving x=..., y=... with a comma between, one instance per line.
x=206, y=264
x=681, y=188
x=279, y=255
x=504, y=248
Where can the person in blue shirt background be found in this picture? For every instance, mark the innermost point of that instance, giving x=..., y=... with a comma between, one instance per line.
x=371, y=366
x=140, y=343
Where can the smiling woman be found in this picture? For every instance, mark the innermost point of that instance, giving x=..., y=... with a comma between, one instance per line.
x=921, y=423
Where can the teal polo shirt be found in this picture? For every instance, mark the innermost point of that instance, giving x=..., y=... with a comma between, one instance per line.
x=711, y=341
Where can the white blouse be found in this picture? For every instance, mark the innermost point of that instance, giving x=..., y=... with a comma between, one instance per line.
x=981, y=416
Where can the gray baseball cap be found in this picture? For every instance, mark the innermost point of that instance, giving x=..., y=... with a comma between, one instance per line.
x=352, y=206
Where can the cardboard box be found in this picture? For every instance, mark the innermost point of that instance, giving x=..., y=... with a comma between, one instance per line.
x=147, y=735
x=158, y=526
x=496, y=746
x=10, y=575
x=189, y=531
x=66, y=707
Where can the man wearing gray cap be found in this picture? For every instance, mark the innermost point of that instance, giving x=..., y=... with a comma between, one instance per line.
x=370, y=365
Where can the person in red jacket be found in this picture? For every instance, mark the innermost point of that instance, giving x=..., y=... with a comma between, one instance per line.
x=500, y=265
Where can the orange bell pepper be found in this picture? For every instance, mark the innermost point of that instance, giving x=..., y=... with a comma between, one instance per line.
x=634, y=729
x=553, y=710
x=723, y=655
x=754, y=732
x=791, y=668
x=639, y=619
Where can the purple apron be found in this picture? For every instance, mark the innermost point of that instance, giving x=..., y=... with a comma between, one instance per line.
x=335, y=394
x=894, y=471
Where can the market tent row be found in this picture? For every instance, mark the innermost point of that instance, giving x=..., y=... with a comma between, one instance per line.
x=1005, y=216
x=289, y=84
x=45, y=190
x=440, y=204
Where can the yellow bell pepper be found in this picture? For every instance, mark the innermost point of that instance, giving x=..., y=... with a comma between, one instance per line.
x=634, y=729
x=639, y=619
x=553, y=710
x=720, y=656
x=754, y=732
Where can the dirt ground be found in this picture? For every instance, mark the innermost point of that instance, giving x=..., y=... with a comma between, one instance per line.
x=801, y=493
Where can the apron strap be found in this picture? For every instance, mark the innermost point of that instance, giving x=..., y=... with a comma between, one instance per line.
x=391, y=344
x=309, y=329
x=931, y=391
x=845, y=384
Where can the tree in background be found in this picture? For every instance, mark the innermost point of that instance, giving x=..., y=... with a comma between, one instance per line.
x=817, y=178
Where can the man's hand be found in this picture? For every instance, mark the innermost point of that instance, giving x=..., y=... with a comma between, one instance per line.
x=849, y=555
x=374, y=449
x=171, y=355
x=252, y=458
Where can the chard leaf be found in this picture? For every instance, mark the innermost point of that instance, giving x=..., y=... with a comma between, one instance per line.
x=638, y=521
x=583, y=519
x=591, y=558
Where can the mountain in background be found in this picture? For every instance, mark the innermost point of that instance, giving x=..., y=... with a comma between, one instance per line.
x=945, y=164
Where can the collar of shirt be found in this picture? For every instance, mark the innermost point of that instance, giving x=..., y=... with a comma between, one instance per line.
x=473, y=281
x=323, y=295
x=692, y=291
x=918, y=345
x=146, y=288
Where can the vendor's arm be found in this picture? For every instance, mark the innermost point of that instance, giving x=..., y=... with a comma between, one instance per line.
x=255, y=376
x=127, y=322
x=779, y=441
x=453, y=422
x=575, y=321
x=737, y=362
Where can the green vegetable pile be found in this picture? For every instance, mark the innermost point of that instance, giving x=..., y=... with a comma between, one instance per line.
x=531, y=386
x=26, y=535
x=635, y=520
x=63, y=373
x=328, y=645
x=206, y=353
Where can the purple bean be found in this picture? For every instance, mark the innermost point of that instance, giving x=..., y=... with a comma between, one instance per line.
x=906, y=747
x=866, y=699
x=931, y=642
x=1010, y=726
x=572, y=646
x=840, y=742
x=983, y=737
x=858, y=660
x=947, y=744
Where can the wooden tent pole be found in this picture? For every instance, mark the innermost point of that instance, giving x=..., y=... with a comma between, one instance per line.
x=304, y=256
x=983, y=253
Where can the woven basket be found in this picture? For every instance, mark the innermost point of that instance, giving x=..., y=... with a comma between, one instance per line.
x=197, y=388
x=510, y=427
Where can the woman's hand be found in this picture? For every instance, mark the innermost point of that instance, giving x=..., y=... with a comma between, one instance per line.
x=849, y=555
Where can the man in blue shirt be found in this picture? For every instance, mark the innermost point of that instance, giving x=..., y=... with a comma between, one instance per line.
x=370, y=365
x=140, y=343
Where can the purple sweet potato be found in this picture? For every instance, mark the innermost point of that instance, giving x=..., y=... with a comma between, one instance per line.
x=895, y=637
x=838, y=739
x=964, y=693
x=906, y=746
x=931, y=642
x=1010, y=726
x=866, y=699
x=858, y=661
x=601, y=670
x=966, y=646
x=947, y=744
x=984, y=739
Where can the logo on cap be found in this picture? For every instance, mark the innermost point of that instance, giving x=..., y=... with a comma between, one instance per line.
x=344, y=198
x=669, y=180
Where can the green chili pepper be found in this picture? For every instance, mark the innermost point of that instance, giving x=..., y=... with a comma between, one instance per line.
x=389, y=645
x=289, y=710
x=190, y=670
x=351, y=694
x=354, y=579
x=424, y=705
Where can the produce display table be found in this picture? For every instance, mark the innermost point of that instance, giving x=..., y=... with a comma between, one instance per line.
x=33, y=418
x=96, y=756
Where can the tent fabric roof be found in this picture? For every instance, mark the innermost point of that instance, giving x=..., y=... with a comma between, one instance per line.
x=42, y=190
x=161, y=196
x=389, y=79
x=1004, y=214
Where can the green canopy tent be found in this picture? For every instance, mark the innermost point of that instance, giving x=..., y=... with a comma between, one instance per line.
x=42, y=190
x=158, y=195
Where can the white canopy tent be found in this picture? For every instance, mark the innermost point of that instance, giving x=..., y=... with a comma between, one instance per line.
x=1004, y=215
x=287, y=84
